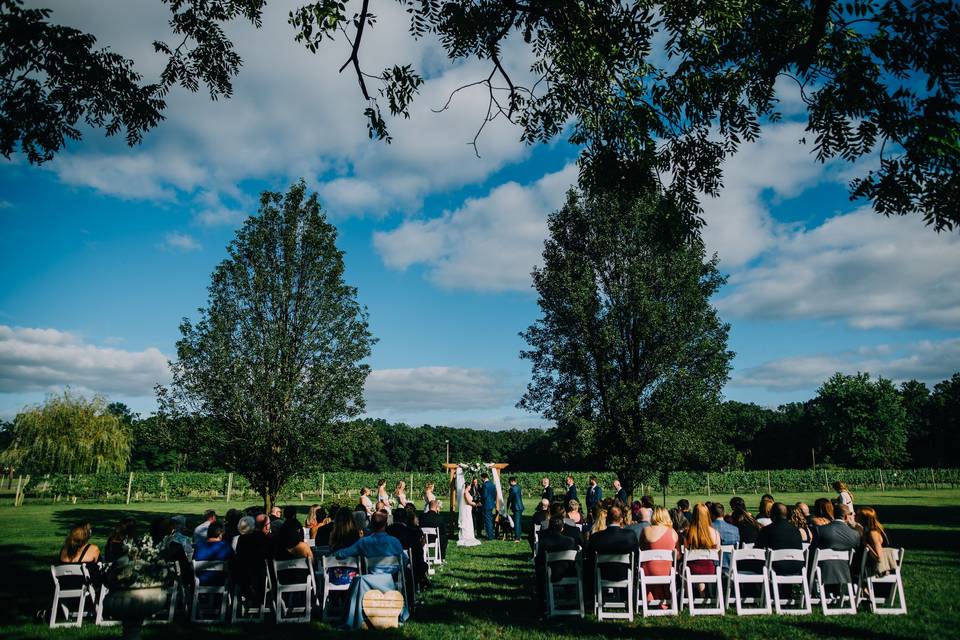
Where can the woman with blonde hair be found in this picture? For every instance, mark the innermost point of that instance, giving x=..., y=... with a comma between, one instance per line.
x=844, y=495
x=701, y=535
x=659, y=536
x=428, y=496
x=400, y=493
x=599, y=520
x=366, y=503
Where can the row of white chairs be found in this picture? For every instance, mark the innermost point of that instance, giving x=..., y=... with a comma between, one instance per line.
x=291, y=601
x=749, y=593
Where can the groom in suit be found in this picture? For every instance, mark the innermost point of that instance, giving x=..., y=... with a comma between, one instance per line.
x=515, y=506
x=489, y=491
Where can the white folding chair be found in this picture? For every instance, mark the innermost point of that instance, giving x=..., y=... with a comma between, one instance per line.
x=847, y=591
x=62, y=598
x=332, y=562
x=245, y=610
x=574, y=582
x=747, y=545
x=669, y=582
x=392, y=565
x=614, y=609
x=174, y=593
x=895, y=603
x=306, y=537
x=99, y=595
x=690, y=580
x=285, y=606
x=737, y=578
x=212, y=592
x=408, y=572
x=797, y=583
x=432, y=548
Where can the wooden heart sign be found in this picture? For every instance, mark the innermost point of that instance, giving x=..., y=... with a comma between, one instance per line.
x=382, y=609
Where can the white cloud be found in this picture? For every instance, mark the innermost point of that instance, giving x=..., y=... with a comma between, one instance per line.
x=50, y=359
x=929, y=361
x=861, y=268
x=292, y=114
x=490, y=243
x=437, y=388
x=180, y=242
x=5, y=204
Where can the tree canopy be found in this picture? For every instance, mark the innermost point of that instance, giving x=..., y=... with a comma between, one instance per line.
x=68, y=434
x=274, y=365
x=675, y=85
x=629, y=354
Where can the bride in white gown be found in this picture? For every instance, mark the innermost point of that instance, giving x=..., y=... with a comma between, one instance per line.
x=467, y=536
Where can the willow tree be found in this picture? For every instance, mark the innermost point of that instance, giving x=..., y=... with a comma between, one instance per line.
x=629, y=357
x=68, y=434
x=273, y=364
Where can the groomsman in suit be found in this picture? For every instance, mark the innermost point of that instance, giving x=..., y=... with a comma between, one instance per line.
x=594, y=496
x=489, y=491
x=515, y=507
x=621, y=492
x=547, y=492
x=571, y=491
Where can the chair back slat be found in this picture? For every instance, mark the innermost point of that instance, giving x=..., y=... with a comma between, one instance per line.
x=562, y=556
x=650, y=555
x=701, y=554
x=824, y=555
x=776, y=555
x=614, y=558
x=750, y=554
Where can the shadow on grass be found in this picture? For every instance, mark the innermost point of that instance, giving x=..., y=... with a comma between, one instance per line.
x=26, y=587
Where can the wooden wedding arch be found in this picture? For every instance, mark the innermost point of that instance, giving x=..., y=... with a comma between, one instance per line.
x=452, y=468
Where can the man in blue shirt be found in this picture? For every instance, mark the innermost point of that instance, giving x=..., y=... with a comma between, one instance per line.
x=376, y=544
x=729, y=534
x=213, y=548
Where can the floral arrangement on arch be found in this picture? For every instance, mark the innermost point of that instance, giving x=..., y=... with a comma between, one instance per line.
x=474, y=469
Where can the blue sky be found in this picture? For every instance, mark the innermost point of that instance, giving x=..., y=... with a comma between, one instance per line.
x=106, y=248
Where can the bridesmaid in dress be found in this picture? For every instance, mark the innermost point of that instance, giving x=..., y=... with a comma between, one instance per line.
x=659, y=536
x=400, y=493
x=428, y=496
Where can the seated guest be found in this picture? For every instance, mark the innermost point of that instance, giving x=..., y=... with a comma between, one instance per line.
x=540, y=516
x=176, y=547
x=572, y=532
x=289, y=527
x=175, y=534
x=781, y=534
x=763, y=516
x=683, y=506
x=248, y=567
x=799, y=520
x=231, y=520
x=276, y=517
x=822, y=512
x=412, y=539
x=376, y=545
x=77, y=549
x=659, y=536
x=629, y=523
x=876, y=545
x=573, y=515
x=123, y=533
x=700, y=535
x=839, y=536
x=200, y=532
x=744, y=521
x=646, y=508
x=599, y=521
x=552, y=540
x=246, y=525
x=345, y=530
x=412, y=518
x=213, y=548
x=288, y=541
x=729, y=534
x=316, y=518
x=612, y=540
x=432, y=519
x=361, y=519
x=804, y=509
x=321, y=535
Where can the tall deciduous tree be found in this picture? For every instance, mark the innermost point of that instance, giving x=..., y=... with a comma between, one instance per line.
x=275, y=360
x=68, y=434
x=629, y=354
x=944, y=415
x=862, y=422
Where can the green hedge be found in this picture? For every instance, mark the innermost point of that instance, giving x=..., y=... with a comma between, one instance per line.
x=343, y=487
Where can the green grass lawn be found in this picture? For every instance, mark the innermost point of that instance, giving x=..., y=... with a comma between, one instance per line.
x=484, y=592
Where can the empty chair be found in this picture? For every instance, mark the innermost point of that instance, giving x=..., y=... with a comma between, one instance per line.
x=796, y=583
x=70, y=594
x=845, y=600
x=214, y=591
x=701, y=605
x=330, y=586
x=895, y=602
x=614, y=609
x=251, y=606
x=432, y=548
x=738, y=579
x=666, y=584
x=293, y=579
x=563, y=605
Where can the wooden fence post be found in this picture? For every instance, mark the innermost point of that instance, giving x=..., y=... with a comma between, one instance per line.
x=129, y=486
x=882, y=489
x=323, y=482
x=769, y=490
x=826, y=484
x=229, y=485
x=933, y=478
x=16, y=496
x=708, y=485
